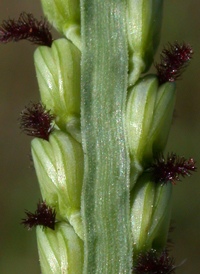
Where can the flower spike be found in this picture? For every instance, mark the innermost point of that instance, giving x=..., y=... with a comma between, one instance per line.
x=171, y=168
x=151, y=262
x=174, y=59
x=43, y=216
x=26, y=28
x=36, y=121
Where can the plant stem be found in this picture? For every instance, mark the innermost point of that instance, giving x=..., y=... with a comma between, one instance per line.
x=105, y=198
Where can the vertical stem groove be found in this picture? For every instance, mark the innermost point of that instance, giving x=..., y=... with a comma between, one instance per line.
x=105, y=198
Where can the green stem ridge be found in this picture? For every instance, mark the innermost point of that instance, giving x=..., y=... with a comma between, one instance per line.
x=105, y=197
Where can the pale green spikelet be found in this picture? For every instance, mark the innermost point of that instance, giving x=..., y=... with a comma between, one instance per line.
x=60, y=250
x=59, y=168
x=144, y=20
x=150, y=214
x=149, y=114
x=65, y=17
x=59, y=78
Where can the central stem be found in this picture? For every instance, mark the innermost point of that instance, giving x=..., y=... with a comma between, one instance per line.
x=105, y=198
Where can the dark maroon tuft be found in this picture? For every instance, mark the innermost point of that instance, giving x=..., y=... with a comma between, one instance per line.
x=28, y=28
x=171, y=168
x=44, y=216
x=36, y=121
x=174, y=59
x=152, y=262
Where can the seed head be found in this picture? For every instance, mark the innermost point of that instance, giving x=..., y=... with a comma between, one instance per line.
x=43, y=216
x=36, y=121
x=174, y=59
x=152, y=262
x=171, y=168
x=26, y=27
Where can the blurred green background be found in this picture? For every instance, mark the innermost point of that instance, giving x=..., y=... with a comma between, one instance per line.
x=18, y=183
